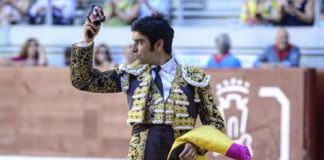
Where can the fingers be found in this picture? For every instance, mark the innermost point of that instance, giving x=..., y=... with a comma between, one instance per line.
x=97, y=27
x=189, y=152
x=90, y=28
x=185, y=151
x=94, y=29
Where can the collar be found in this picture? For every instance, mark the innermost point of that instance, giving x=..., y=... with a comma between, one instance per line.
x=218, y=58
x=282, y=54
x=169, y=66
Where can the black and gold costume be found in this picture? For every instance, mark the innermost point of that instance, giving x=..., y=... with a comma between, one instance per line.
x=190, y=95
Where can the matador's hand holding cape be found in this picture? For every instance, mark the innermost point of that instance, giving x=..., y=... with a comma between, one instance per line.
x=209, y=138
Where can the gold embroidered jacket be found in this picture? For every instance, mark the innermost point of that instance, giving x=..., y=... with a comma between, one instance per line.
x=190, y=95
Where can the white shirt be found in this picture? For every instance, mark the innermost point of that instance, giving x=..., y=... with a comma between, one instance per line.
x=162, y=6
x=167, y=74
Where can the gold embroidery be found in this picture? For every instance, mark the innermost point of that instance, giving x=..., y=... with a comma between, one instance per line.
x=183, y=123
x=195, y=76
x=137, y=113
x=86, y=78
x=136, y=149
x=209, y=114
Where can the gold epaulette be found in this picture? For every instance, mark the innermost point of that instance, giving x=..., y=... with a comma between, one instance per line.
x=134, y=68
x=194, y=76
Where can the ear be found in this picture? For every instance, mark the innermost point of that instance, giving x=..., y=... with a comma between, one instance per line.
x=159, y=45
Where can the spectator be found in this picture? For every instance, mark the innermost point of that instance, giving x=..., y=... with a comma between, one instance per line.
x=281, y=54
x=129, y=55
x=121, y=12
x=223, y=59
x=14, y=12
x=67, y=56
x=253, y=11
x=294, y=13
x=63, y=11
x=81, y=12
x=149, y=7
x=31, y=54
x=103, y=57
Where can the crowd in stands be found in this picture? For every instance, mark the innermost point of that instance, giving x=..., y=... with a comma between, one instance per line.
x=124, y=12
x=281, y=54
x=63, y=12
x=279, y=12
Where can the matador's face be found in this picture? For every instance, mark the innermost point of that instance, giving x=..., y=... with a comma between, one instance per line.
x=141, y=49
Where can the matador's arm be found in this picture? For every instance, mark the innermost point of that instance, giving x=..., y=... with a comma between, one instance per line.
x=208, y=112
x=86, y=78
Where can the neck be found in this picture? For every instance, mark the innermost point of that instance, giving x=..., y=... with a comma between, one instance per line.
x=162, y=59
x=281, y=48
x=221, y=54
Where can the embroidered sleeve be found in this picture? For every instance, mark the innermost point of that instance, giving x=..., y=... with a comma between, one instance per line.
x=86, y=78
x=208, y=112
x=195, y=76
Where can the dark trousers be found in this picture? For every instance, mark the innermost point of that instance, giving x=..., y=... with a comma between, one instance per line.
x=159, y=142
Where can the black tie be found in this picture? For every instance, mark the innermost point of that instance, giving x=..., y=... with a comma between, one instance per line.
x=157, y=79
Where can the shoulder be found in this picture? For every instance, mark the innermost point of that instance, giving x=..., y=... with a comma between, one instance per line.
x=195, y=76
x=236, y=61
x=210, y=60
x=295, y=48
x=270, y=47
x=232, y=57
x=269, y=50
x=133, y=68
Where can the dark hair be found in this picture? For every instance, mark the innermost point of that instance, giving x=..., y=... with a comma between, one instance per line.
x=107, y=53
x=223, y=42
x=67, y=55
x=24, y=51
x=155, y=27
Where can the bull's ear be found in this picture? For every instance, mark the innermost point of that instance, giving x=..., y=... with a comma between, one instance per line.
x=176, y=152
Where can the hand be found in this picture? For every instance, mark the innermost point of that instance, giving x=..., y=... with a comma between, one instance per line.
x=41, y=56
x=266, y=65
x=189, y=152
x=41, y=9
x=94, y=29
x=291, y=10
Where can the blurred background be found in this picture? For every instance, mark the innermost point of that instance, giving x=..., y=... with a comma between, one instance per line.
x=42, y=115
x=250, y=25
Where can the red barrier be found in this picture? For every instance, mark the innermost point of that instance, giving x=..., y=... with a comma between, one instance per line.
x=42, y=114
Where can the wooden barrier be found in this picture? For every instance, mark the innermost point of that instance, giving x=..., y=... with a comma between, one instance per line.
x=272, y=111
x=320, y=114
x=41, y=113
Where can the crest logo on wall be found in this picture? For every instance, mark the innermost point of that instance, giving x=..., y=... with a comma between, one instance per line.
x=232, y=95
x=233, y=98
